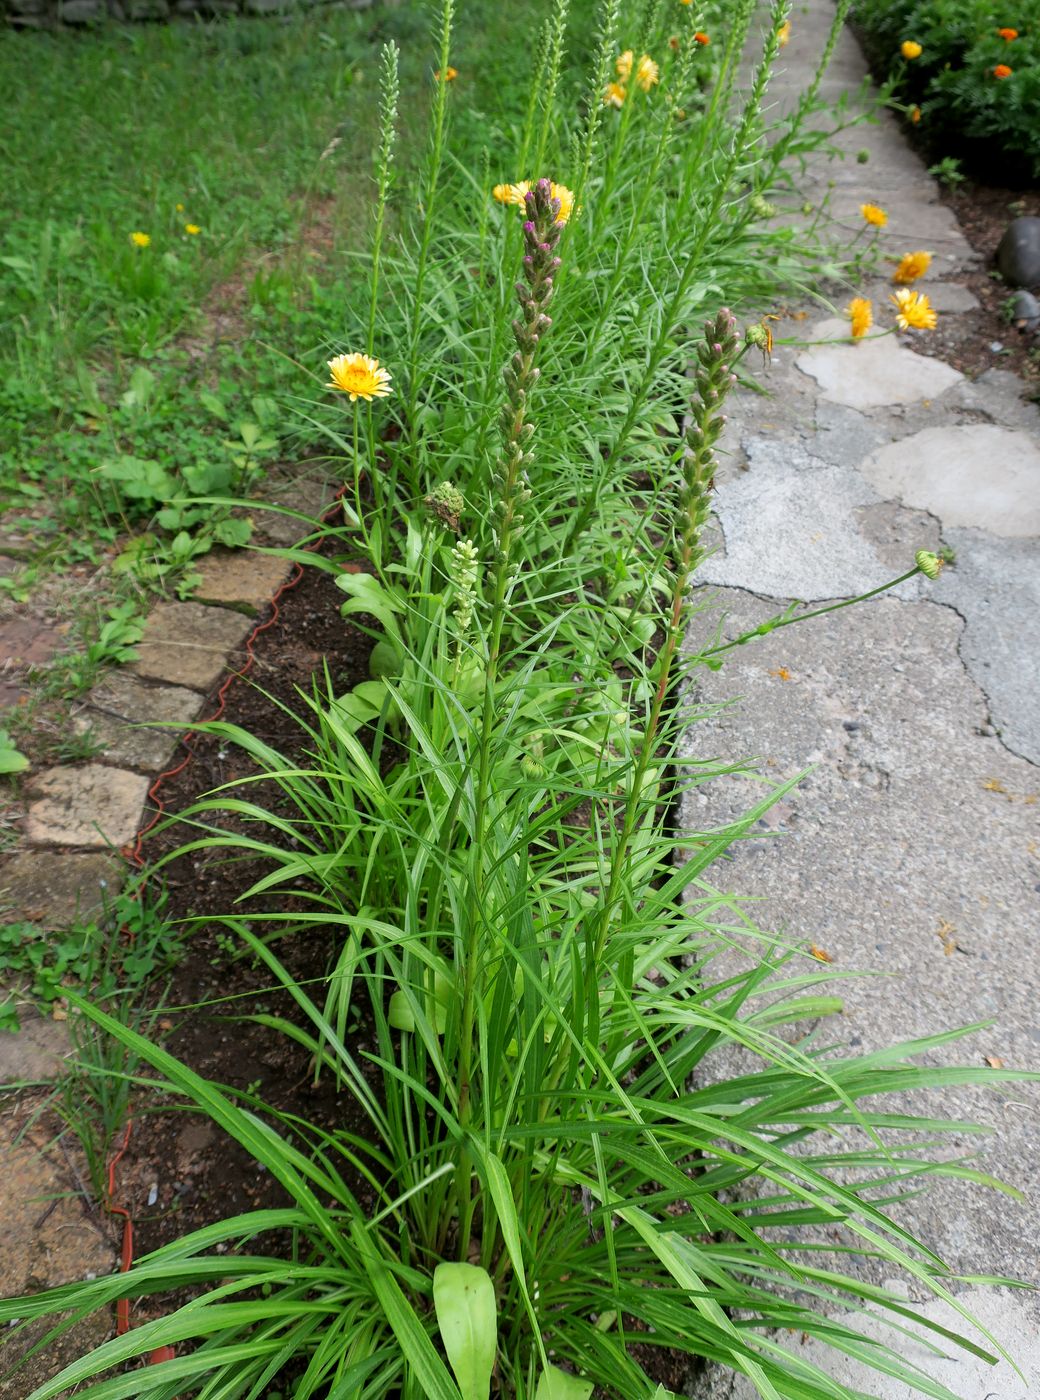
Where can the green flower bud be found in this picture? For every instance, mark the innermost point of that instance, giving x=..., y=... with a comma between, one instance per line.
x=446, y=502
x=862, y=156
x=928, y=563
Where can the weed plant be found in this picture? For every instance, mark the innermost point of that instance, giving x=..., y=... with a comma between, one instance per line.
x=550, y=1173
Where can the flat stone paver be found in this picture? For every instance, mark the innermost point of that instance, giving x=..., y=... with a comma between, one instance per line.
x=120, y=703
x=187, y=644
x=89, y=805
x=58, y=888
x=241, y=578
x=974, y=475
x=883, y=372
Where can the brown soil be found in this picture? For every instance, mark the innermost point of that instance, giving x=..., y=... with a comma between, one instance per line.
x=967, y=340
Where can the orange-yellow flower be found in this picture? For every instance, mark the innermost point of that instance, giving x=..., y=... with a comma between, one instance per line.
x=913, y=310
x=360, y=376
x=673, y=43
x=861, y=314
x=701, y=37
x=874, y=215
x=911, y=267
x=1008, y=34
x=647, y=73
x=566, y=198
x=915, y=115
x=614, y=96
x=140, y=240
x=623, y=65
x=1002, y=71
x=450, y=74
x=193, y=229
x=783, y=34
x=910, y=48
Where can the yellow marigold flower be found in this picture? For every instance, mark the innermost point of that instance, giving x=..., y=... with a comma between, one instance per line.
x=915, y=115
x=623, y=65
x=1002, y=71
x=910, y=48
x=911, y=267
x=614, y=96
x=783, y=34
x=1008, y=34
x=566, y=198
x=193, y=229
x=647, y=73
x=874, y=215
x=450, y=74
x=913, y=310
x=140, y=240
x=701, y=37
x=861, y=314
x=360, y=376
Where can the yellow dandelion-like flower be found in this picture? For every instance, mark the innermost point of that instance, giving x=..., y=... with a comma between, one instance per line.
x=180, y=208
x=140, y=240
x=623, y=66
x=911, y=267
x=874, y=215
x=360, y=376
x=566, y=198
x=861, y=314
x=913, y=310
x=910, y=49
x=614, y=96
x=783, y=34
x=515, y=193
x=193, y=229
x=647, y=73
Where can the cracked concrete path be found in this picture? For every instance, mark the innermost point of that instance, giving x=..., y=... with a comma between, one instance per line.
x=911, y=852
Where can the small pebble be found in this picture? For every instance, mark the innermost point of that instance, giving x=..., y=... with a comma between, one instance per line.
x=153, y=1194
x=996, y=346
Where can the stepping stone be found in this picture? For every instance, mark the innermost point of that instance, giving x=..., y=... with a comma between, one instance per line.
x=188, y=644
x=241, y=578
x=122, y=701
x=85, y=806
x=873, y=373
x=976, y=475
x=57, y=888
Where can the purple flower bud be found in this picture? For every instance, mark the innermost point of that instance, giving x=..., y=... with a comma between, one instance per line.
x=528, y=225
x=528, y=260
x=544, y=248
x=717, y=349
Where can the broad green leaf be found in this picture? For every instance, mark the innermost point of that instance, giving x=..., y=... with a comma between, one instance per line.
x=464, y=1301
x=555, y=1384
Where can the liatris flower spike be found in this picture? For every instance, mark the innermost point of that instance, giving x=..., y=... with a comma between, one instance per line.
x=713, y=380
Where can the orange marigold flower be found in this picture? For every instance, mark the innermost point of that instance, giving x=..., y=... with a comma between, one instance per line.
x=874, y=215
x=913, y=310
x=911, y=267
x=910, y=48
x=450, y=74
x=673, y=43
x=915, y=115
x=1002, y=71
x=1008, y=34
x=701, y=37
x=861, y=314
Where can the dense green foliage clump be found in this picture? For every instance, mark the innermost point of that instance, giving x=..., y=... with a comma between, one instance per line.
x=969, y=106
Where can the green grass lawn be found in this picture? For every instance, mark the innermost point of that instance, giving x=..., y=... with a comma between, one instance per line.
x=257, y=133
